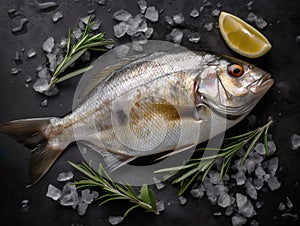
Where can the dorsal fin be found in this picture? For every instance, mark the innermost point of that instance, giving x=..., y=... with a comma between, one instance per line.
x=104, y=74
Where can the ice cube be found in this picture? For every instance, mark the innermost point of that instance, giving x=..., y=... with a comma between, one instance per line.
x=63, y=42
x=260, y=23
x=17, y=57
x=120, y=29
x=194, y=37
x=214, y=177
x=238, y=220
x=122, y=51
x=194, y=13
x=44, y=103
x=182, y=200
x=289, y=203
x=251, y=17
x=272, y=165
x=250, y=165
x=258, y=183
x=151, y=14
x=271, y=147
x=178, y=18
x=52, y=60
x=86, y=57
x=217, y=213
x=65, y=176
x=57, y=16
x=25, y=205
x=14, y=71
x=28, y=79
x=52, y=91
x=250, y=189
x=49, y=44
x=160, y=206
x=249, y=5
x=101, y=2
x=46, y=5
x=259, y=204
x=31, y=53
x=95, y=194
x=175, y=36
x=197, y=193
x=260, y=148
x=122, y=15
x=229, y=210
x=298, y=39
x=149, y=32
x=86, y=19
x=53, y=192
x=219, y=5
x=77, y=33
x=139, y=37
x=41, y=85
x=239, y=177
x=247, y=210
x=216, y=12
x=241, y=200
x=81, y=209
x=224, y=200
x=158, y=184
x=254, y=223
x=87, y=196
x=169, y=20
x=213, y=200
x=96, y=24
x=115, y=220
x=21, y=27
x=13, y=12
x=294, y=217
x=137, y=24
x=273, y=183
x=257, y=158
x=281, y=207
x=295, y=140
x=208, y=26
x=219, y=189
x=142, y=5
x=69, y=195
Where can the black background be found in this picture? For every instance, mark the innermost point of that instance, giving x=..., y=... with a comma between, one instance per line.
x=16, y=101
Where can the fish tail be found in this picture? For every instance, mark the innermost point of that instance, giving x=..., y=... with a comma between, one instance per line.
x=30, y=132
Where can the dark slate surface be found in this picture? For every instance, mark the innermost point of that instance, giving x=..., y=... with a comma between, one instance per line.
x=282, y=103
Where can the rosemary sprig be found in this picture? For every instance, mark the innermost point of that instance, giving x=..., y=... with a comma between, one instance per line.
x=114, y=191
x=75, y=50
x=186, y=174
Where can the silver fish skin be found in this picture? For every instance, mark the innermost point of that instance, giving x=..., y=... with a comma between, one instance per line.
x=146, y=105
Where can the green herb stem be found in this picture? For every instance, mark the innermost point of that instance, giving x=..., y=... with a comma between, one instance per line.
x=115, y=191
x=186, y=174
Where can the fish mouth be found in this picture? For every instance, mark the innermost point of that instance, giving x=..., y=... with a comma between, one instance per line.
x=262, y=84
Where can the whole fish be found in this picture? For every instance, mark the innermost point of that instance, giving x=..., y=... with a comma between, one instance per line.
x=147, y=104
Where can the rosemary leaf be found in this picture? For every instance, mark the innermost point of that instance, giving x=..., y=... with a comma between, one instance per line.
x=115, y=192
x=75, y=50
x=186, y=174
x=73, y=74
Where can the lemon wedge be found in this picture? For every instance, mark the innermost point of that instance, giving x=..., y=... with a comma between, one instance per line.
x=242, y=37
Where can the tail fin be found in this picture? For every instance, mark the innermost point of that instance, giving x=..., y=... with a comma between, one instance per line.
x=30, y=133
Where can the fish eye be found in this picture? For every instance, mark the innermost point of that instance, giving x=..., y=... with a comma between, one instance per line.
x=235, y=70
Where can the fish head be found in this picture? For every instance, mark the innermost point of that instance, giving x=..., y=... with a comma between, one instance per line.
x=231, y=86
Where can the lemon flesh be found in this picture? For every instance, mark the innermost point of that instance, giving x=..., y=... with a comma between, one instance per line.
x=242, y=37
